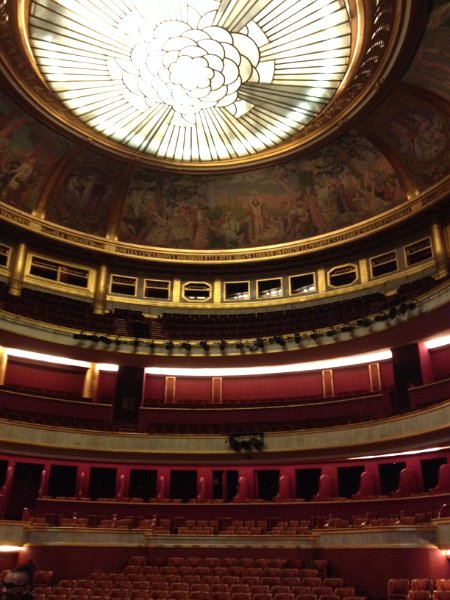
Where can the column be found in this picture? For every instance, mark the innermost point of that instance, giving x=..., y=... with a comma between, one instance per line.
x=440, y=257
x=122, y=484
x=101, y=290
x=3, y=364
x=82, y=486
x=6, y=489
x=43, y=487
x=18, y=264
x=90, y=385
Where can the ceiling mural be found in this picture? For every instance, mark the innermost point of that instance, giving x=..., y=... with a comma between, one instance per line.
x=29, y=153
x=83, y=195
x=418, y=131
x=335, y=187
x=430, y=68
x=353, y=177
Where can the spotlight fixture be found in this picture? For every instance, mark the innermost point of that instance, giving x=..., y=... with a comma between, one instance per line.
x=186, y=346
x=79, y=336
x=297, y=338
x=403, y=308
x=204, y=345
x=239, y=345
x=364, y=322
x=392, y=312
x=92, y=338
x=246, y=442
x=136, y=342
x=259, y=343
x=347, y=329
x=314, y=335
x=169, y=345
x=222, y=345
x=152, y=345
x=279, y=340
x=105, y=340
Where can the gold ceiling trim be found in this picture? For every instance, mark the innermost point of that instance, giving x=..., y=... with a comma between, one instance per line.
x=335, y=239
x=378, y=32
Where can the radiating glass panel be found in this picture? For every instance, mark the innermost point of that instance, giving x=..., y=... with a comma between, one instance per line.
x=193, y=80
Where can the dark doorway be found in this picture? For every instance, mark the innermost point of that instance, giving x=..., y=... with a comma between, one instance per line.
x=24, y=489
x=3, y=469
x=389, y=476
x=102, y=483
x=231, y=485
x=306, y=482
x=348, y=480
x=217, y=485
x=430, y=471
x=130, y=381
x=62, y=481
x=267, y=484
x=183, y=484
x=143, y=484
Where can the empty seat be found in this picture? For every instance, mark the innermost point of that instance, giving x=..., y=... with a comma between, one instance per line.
x=398, y=588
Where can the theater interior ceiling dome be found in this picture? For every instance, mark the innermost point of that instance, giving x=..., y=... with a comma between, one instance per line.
x=221, y=129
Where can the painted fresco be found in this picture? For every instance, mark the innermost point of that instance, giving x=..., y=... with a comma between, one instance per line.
x=83, y=196
x=418, y=132
x=334, y=187
x=430, y=68
x=28, y=155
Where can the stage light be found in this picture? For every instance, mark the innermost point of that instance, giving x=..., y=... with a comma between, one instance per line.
x=204, y=345
x=136, y=343
x=169, y=345
x=297, y=338
x=239, y=345
x=279, y=340
x=222, y=345
x=259, y=343
x=186, y=346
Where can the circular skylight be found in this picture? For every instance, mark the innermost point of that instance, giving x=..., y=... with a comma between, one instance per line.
x=193, y=80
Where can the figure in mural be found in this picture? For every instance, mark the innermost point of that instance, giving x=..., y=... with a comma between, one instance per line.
x=22, y=177
x=256, y=219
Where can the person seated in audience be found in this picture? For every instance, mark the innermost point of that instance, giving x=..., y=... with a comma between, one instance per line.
x=17, y=584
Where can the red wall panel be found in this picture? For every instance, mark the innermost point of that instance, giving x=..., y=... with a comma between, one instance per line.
x=440, y=360
x=351, y=379
x=300, y=385
x=45, y=376
x=106, y=387
x=154, y=387
x=194, y=390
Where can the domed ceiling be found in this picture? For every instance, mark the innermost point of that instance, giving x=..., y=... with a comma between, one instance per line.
x=209, y=130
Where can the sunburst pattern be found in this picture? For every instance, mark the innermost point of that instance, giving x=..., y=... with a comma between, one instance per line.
x=194, y=80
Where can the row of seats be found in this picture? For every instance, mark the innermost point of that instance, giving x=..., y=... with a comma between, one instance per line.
x=207, y=578
x=77, y=314
x=401, y=588
x=232, y=526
